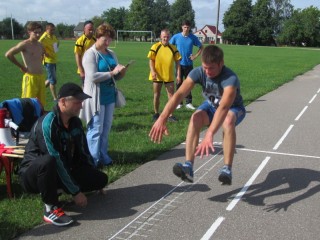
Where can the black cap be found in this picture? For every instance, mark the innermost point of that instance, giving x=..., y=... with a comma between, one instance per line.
x=72, y=89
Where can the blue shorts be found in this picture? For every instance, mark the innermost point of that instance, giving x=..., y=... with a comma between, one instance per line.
x=51, y=70
x=240, y=112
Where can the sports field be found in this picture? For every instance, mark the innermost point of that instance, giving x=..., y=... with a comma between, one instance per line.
x=260, y=69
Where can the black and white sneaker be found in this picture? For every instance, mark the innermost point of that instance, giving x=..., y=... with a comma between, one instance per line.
x=57, y=217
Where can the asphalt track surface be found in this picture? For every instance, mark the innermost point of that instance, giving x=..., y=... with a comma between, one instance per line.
x=274, y=193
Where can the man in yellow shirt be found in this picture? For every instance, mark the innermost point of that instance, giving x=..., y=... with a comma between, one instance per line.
x=162, y=57
x=82, y=44
x=51, y=46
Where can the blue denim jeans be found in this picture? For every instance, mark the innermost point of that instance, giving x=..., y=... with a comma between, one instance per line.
x=51, y=71
x=98, y=134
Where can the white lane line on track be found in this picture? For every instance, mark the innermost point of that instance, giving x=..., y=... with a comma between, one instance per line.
x=300, y=114
x=234, y=202
x=278, y=153
x=283, y=137
x=213, y=228
x=247, y=185
x=314, y=96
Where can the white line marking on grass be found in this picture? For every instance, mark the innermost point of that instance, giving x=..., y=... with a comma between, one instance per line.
x=318, y=90
x=212, y=229
x=300, y=114
x=247, y=185
x=313, y=98
x=283, y=137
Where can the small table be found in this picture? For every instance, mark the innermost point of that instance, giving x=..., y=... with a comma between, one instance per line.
x=7, y=162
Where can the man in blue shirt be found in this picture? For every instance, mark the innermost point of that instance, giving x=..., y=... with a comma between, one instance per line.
x=223, y=107
x=185, y=42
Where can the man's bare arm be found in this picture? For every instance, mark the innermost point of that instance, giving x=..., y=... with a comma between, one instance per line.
x=10, y=54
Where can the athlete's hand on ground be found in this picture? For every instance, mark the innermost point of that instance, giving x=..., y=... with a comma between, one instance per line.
x=158, y=129
x=80, y=199
x=205, y=146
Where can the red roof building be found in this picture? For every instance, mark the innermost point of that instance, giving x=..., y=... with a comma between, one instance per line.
x=207, y=34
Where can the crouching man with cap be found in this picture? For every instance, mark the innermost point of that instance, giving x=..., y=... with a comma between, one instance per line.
x=57, y=157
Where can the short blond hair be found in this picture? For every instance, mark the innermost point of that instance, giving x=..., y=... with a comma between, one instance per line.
x=105, y=29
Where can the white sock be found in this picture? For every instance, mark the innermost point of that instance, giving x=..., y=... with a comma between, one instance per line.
x=48, y=207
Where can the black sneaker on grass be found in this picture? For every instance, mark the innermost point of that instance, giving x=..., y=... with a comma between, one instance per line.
x=57, y=217
x=172, y=119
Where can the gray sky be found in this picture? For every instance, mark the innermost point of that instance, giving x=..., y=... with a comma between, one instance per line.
x=61, y=11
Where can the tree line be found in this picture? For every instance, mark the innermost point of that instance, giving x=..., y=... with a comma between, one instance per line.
x=265, y=23
x=271, y=22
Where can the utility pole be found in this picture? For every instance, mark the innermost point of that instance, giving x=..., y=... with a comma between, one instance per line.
x=12, y=28
x=217, y=25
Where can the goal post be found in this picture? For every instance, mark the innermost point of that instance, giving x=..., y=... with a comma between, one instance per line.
x=148, y=34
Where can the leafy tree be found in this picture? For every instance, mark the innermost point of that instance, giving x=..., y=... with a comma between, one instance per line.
x=116, y=17
x=161, y=16
x=303, y=28
x=64, y=30
x=6, y=30
x=282, y=12
x=140, y=16
x=263, y=22
x=97, y=20
x=181, y=10
x=290, y=30
x=237, y=22
x=311, y=26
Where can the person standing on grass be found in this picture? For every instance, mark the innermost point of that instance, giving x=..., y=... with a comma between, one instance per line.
x=57, y=157
x=83, y=43
x=51, y=47
x=33, y=81
x=185, y=42
x=162, y=57
x=101, y=69
x=223, y=107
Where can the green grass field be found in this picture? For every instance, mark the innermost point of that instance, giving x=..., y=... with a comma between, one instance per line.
x=260, y=69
